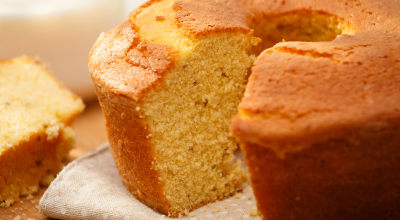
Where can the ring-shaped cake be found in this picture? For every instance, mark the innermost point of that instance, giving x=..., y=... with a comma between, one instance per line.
x=319, y=121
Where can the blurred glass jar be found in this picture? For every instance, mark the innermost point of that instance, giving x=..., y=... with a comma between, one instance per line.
x=59, y=32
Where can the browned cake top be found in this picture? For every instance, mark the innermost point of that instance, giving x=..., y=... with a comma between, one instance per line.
x=121, y=60
x=302, y=92
x=203, y=16
x=301, y=88
x=313, y=91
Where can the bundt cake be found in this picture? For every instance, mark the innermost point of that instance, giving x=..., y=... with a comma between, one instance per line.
x=36, y=114
x=319, y=122
x=170, y=77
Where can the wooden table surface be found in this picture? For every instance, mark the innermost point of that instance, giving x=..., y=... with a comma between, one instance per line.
x=90, y=133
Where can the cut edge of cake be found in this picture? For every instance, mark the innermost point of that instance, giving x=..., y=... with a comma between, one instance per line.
x=37, y=113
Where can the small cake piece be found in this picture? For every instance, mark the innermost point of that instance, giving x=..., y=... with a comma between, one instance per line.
x=36, y=114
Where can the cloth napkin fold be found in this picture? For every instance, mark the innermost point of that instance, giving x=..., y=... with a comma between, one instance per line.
x=91, y=188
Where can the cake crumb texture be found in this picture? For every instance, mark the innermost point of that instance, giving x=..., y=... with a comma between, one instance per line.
x=36, y=114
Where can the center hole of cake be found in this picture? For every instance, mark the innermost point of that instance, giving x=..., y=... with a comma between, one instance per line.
x=308, y=26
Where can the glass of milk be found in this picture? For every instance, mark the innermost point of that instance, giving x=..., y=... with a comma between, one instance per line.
x=58, y=32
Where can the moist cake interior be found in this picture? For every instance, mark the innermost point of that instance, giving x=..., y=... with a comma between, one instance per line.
x=26, y=106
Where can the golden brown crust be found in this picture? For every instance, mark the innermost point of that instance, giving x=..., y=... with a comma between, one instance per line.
x=138, y=10
x=204, y=16
x=321, y=90
x=123, y=63
x=354, y=177
x=123, y=68
x=132, y=149
x=318, y=90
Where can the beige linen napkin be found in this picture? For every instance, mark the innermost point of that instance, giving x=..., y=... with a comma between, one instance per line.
x=90, y=188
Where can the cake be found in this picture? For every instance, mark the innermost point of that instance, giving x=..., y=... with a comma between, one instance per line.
x=319, y=123
x=170, y=77
x=36, y=114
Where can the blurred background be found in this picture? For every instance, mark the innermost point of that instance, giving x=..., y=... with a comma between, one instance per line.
x=60, y=33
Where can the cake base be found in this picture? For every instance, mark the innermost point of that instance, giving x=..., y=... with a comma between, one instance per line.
x=357, y=177
x=32, y=163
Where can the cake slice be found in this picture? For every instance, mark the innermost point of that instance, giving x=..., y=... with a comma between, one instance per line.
x=168, y=104
x=36, y=114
